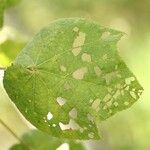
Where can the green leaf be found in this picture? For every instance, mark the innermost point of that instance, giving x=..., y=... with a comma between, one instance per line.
x=10, y=48
x=4, y=4
x=8, y=51
x=70, y=77
x=10, y=43
x=32, y=139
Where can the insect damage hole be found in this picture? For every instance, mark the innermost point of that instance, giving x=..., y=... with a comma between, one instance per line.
x=75, y=29
x=96, y=104
x=71, y=125
x=133, y=94
x=117, y=94
x=90, y=117
x=73, y=113
x=107, y=97
x=86, y=57
x=64, y=146
x=67, y=86
x=105, y=35
x=91, y=135
x=54, y=125
x=116, y=104
x=98, y=71
x=79, y=73
x=110, y=76
x=61, y=101
x=49, y=116
x=126, y=103
x=129, y=80
x=63, y=68
x=78, y=42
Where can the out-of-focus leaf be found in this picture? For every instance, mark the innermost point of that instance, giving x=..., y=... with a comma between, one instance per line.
x=67, y=5
x=69, y=77
x=36, y=140
x=10, y=49
x=4, y=60
x=10, y=44
x=4, y=4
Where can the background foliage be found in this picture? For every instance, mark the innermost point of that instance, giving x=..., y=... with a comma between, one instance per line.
x=129, y=129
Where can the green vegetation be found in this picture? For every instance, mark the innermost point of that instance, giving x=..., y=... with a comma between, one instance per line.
x=73, y=74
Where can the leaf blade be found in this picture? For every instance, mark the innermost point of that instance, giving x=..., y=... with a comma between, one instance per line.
x=71, y=66
x=34, y=137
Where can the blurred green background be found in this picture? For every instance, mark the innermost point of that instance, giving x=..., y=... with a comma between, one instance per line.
x=127, y=130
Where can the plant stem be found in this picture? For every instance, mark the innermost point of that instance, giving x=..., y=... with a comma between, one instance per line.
x=14, y=134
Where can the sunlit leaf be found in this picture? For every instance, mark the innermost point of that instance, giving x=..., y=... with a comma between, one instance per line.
x=32, y=139
x=8, y=51
x=70, y=77
x=10, y=44
x=4, y=60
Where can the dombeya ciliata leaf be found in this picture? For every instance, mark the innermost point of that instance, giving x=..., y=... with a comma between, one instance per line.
x=70, y=77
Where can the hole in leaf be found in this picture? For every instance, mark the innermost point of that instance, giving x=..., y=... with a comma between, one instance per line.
x=79, y=73
x=90, y=117
x=67, y=86
x=80, y=39
x=105, y=35
x=129, y=80
x=78, y=42
x=105, y=57
x=64, y=146
x=96, y=104
x=86, y=57
x=109, y=103
x=63, y=68
x=49, y=116
x=61, y=101
x=76, y=51
x=133, y=94
x=126, y=103
x=73, y=113
x=97, y=70
x=110, y=76
x=116, y=94
x=91, y=135
x=75, y=29
x=116, y=104
x=71, y=125
x=54, y=125
x=107, y=97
